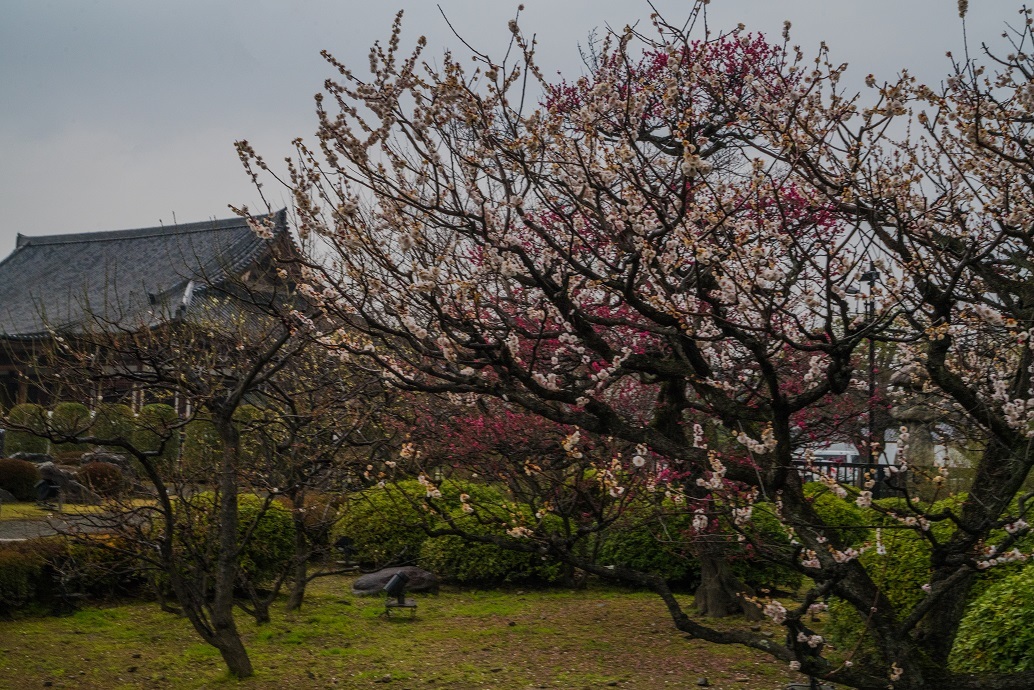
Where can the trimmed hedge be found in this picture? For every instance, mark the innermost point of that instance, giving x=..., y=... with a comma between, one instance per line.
x=997, y=633
x=24, y=575
x=158, y=421
x=19, y=477
x=32, y=417
x=113, y=421
x=71, y=419
x=271, y=545
x=759, y=573
x=200, y=446
x=39, y=574
x=454, y=559
x=386, y=523
x=652, y=544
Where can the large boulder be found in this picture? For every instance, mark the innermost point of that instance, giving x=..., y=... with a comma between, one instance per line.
x=7, y=497
x=37, y=458
x=117, y=459
x=373, y=583
x=71, y=490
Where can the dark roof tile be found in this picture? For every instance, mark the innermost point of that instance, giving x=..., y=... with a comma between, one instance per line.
x=50, y=282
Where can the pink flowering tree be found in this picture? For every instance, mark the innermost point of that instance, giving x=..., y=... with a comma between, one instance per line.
x=683, y=227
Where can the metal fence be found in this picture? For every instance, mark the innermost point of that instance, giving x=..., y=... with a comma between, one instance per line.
x=848, y=473
x=958, y=479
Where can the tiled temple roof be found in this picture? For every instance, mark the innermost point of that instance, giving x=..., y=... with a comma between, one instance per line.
x=56, y=282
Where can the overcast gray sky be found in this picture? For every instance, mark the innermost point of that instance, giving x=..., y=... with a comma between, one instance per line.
x=122, y=113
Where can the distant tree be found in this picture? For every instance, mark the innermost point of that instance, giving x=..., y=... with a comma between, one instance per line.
x=232, y=344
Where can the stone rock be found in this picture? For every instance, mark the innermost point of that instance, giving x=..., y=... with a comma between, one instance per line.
x=37, y=458
x=7, y=497
x=373, y=583
x=72, y=491
x=116, y=459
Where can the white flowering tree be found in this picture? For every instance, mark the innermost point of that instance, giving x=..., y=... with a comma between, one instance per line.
x=950, y=205
x=668, y=246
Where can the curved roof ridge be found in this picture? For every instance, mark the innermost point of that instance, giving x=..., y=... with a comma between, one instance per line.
x=137, y=233
x=52, y=280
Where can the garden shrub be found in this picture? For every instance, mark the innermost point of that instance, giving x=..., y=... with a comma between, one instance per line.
x=71, y=419
x=26, y=574
x=156, y=422
x=201, y=446
x=256, y=447
x=104, y=478
x=997, y=632
x=113, y=421
x=454, y=559
x=904, y=569
x=34, y=418
x=20, y=573
x=386, y=523
x=757, y=572
x=854, y=523
x=270, y=546
x=19, y=477
x=100, y=566
x=322, y=512
x=652, y=543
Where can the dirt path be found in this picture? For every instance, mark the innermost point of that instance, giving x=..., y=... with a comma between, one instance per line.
x=19, y=530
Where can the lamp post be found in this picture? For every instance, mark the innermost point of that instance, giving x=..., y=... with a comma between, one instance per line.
x=870, y=277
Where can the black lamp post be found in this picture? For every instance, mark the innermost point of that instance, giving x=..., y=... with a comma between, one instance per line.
x=870, y=277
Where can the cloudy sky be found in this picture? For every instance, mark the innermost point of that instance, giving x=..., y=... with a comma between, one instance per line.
x=122, y=113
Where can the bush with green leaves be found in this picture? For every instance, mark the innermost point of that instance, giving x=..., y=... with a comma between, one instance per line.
x=19, y=574
x=270, y=545
x=386, y=523
x=755, y=571
x=33, y=419
x=266, y=525
x=113, y=421
x=25, y=573
x=853, y=522
x=456, y=559
x=997, y=632
x=905, y=567
x=155, y=423
x=71, y=419
x=19, y=477
x=201, y=446
x=652, y=541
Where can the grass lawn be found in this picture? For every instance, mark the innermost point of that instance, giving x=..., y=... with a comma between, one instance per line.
x=31, y=511
x=462, y=639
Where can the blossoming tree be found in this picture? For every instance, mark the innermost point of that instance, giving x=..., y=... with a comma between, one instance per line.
x=683, y=227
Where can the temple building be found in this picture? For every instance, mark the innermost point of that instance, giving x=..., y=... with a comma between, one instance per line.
x=63, y=284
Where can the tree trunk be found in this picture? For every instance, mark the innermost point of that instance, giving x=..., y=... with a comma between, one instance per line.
x=720, y=593
x=225, y=637
x=228, y=641
x=300, y=577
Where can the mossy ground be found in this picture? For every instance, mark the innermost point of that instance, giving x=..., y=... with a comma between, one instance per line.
x=462, y=639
